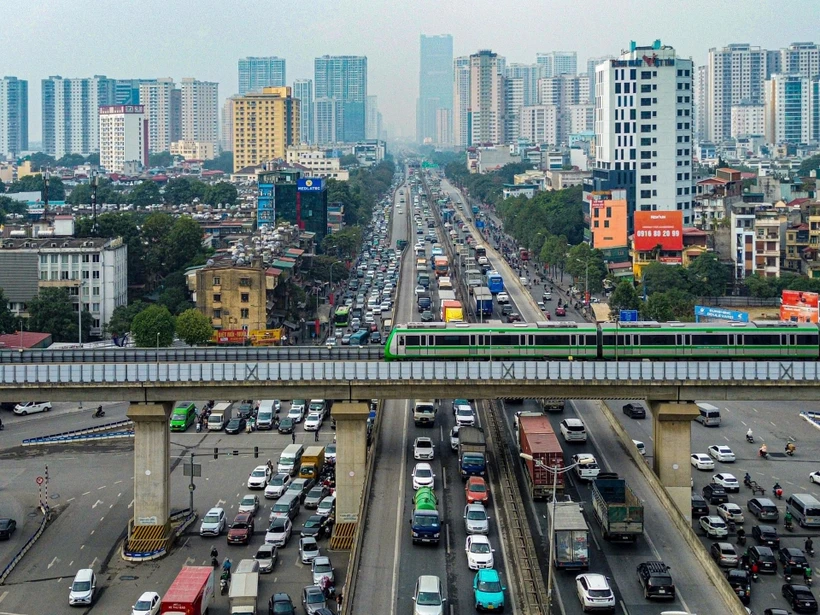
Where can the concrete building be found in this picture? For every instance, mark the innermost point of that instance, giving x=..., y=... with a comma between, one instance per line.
x=700, y=108
x=372, y=118
x=200, y=111
x=748, y=120
x=226, y=134
x=580, y=118
x=513, y=103
x=258, y=73
x=755, y=237
x=529, y=75
x=435, y=87
x=123, y=137
x=161, y=109
x=95, y=272
x=13, y=116
x=486, y=110
x=735, y=74
x=317, y=162
x=233, y=295
x=799, y=59
x=461, y=101
x=284, y=194
x=715, y=197
x=564, y=92
x=370, y=153
x=592, y=64
x=194, y=150
x=444, y=127
x=343, y=79
x=607, y=224
x=539, y=124
x=788, y=117
x=558, y=63
x=327, y=118
x=70, y=115
x=303, y=93
x=265, y=125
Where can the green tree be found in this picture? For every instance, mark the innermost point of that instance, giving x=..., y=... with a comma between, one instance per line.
x=658, y=307
x=39, y=161
x=35, y=183
x=52, y=311
x=145, y=194
x=93, y=159
x=624, y=297
x=708, y=276
x=184, y=242
x=223, y=162
x=348, y=160
x=121, y=318
x=762, y=287
x=175, y=299
x=554, y=253
x=808, y=165
x=658, y=277
x=119, y=224
x=153, y=326
x=160, y=159
x=71, y=160
x=183, y=191
x=344, y=244
x=587, y=265
x=324, y=265
x=7, y=320
x=194, y=328
x=221, y=193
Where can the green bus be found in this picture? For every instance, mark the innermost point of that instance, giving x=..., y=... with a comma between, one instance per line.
x=342, y=316
x=183, y=416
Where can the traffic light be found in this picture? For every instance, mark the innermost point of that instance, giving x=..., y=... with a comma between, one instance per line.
x=256, y=451
x=216, y=453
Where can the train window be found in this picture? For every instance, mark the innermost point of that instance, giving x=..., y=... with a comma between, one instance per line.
x=791, y=340
x=452, y=340
x=592, y=340
x=657, y=339
x=807, y=340
x=679, y=340
x=505, y=340
x=761, y=339
x=608, y=340
x=412, y=340
x=551, y=340
x=624, y=340
x=731, y=340
x=709, y=339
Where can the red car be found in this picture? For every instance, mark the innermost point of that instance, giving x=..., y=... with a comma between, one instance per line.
x=560, y=311
x=477, y=491
x=241, y=529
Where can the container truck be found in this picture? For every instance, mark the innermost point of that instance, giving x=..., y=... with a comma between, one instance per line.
x=191, y=593
x=445, y=283
x=537, y=439
x=446, y=295
x=244, y=589
x=472, y=452
x=617, y=508
x=451, y=310
x=441, y=266
x=569, y=530
x=474, y=277
x=483, y=301
x=313, y=460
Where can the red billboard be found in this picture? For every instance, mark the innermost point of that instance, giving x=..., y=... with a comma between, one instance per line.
x=653, y=228
x=799, y=306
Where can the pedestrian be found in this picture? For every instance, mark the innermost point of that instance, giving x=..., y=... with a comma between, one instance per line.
x=316, y=435
x=293, y=436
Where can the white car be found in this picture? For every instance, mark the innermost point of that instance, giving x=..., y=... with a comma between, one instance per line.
x=296, y=414
x=502, y=297
x=249, y=504
x=730, y=512
x=420, y=289
x=814, y=477
x=479, y=552
x=279, y=532
x=213, y=522
x=259, y=477
x=715, y=527
x=423, y=476
x=721, y=453
x=330, y=453
x=454, y=439
x=148, y=604
x=277, y=485
x=594, y=592
x=701, y=461
x=586, y=466
x=465, y=416
x=727, y=481
x=30, y=407
x=313, y=422
x=640, y=446
x=423, y=448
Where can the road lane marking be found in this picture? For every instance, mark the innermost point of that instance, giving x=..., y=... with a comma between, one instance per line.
x=53, y=561
x=447, y=537
x=82, y=547
x=3, y=595
x=444, y=477
x=97, y=503
x=86, y=493
x=117, y=482
x=131, y=504
x=103, y=487
x=70, y=499
x=94, y=561
x=399, y=509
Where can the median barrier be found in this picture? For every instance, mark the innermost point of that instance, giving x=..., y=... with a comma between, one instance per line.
x=26, y=547
x=98, y=431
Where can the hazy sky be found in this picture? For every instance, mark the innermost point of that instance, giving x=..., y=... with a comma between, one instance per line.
x=205, y=38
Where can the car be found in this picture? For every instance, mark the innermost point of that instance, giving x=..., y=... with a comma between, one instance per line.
x=727, y=481
x=249, y=504
x=656, y=581
x=316, y=526
x=423, y=476
x=461, y=403
x=346, y=339
x=741, y=582
x=330, y=453
x=266, y=555
x=321, y=567
x=586, y=466
x=699, y=506
x=277, y=485
x=715, y=527
x=300, y=487
x=30, y=407
x=279, y=531
x=729, y=511
x=327, y=507
x=376, y=337
x=427, y=598
x=7, y=527
x=792, y=556
x=775, y=612
x=763, y=508
x=479, y=552
x=560, y=311
x=465, y=417
x=502, y=297
x=476, y=519
x=423, y=448
x=814, y=477
x=476, y=490
x=313, y=600
x=245, y=410
x=313, y=422
x=281, y=604
x=315, y=495
x=766, y=535
x=634, y=411
x=258, y=478
x=236, y=425
x=241, y=529
x=420, y=289
x=427, y=316
x=147, y=604
x=454, y=438
x=640, y=446
x=701, y=461
x=213, y=522
x=573, y=430
x=714, y=494
x=297, y=413
x=594, y=592
x=724, y=554
x=514, y=317
x=763, y=556
x=488, y=591
x=507, y=309
x=308, y=549
x=721, y=453
x=799, y=597
x=285, y=425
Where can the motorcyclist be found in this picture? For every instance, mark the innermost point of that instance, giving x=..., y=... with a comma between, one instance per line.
x=807, y=572
x=790, y=447
x=214, y=552
x=747, y=479
x=99, y=411
x=764, y=451
x=749, y=435
x=226, y=567
x=741, y=534
x=787, y=518
x=808, y=547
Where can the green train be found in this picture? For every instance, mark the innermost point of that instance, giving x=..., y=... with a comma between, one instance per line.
x=635, y=340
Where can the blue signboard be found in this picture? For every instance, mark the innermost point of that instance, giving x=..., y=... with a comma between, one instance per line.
x=702, y=311
x=309, y=184
x=629, y=316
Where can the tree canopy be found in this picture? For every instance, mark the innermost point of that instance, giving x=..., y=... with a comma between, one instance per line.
x=624, y=297
x=587, y=266
x=160, y=159
x=808, y=165
x=51, y=311
x=7, y=320
x=35, y=183
x=223, y=162
x=144, y=194
x=194, y=328
x=122, y=317
x=153, y=326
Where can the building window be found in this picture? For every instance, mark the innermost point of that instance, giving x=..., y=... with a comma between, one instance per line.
x=96, y=291
x=217, y=313
x=244, y=281
x=86, y=258
x=95, y=307
x=85, y=275
x=95, y=258
x=217, y=297
x=217, y=281
x=245, y=298
x=95, y=275
x=64, y=275
x=244, y=313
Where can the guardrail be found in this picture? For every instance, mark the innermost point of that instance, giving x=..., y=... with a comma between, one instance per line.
x=26, y=547
x=87, y=433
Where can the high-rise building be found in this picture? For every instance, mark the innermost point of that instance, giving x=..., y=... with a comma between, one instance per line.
x=444, y=127
x=513, y=102
x=266, y=123
x=700, y=108
x=591, y=64
x=226, y=135
x=539, y=124
x=800, y=59
x=303, y=92
x=344, y=79
x=327, y=118
x=529, y=75
x=788, y=109
x=373, y=118
x=815, y=110
x=200, y=111
x=123, y=137
x=258, y=73
x=71, y=113
x=157, y=98
x=735, y=74
x=486, y=111
x=558, y=63
x=176, y=115
x=13, y=116
x=461, y=101
x=748, y=120
x=564, y=92
x=435, y=84
x=643, y=129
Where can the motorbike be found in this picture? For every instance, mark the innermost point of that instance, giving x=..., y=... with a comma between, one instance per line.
x=741, y=539
x=791, y=450
x=223, y=586
x=763, y=453
x=755, y=577
x=99, y=413
x=750, y=439
x=747, y=481
x=778, y=492
x=788, y=525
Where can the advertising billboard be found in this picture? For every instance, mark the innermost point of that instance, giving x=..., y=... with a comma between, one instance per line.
x=309, y=184
x=799, y=306
x=653, y=228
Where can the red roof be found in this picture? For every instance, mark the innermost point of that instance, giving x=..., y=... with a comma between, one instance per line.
x=212, y=172
x=26, y=339
x=273, y=271
x=694, y=232
x=619, y=265
x=798, y=202
x=711, y=181
x=745, y=175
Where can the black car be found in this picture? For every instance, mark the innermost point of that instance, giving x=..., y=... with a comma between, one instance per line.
x=741, y=583
x=656, y=580
x=766, y=535
x=375, y=337
x=506, y=309
x=699, y=506
x=316, y=526
x=764, y=558
x=7, y=527
x=245, y=410
x=800, y=597
x=427, y=316
x=790, y=556
x=281, y=604
x=776, y=612
x=285, y=425
x=715, y=494
x=634, y=411
x=236, y=425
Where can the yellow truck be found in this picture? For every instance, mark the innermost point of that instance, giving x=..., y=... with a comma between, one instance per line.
x=313, y=460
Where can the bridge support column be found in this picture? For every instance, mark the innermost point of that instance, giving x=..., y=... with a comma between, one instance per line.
x=351, y=462
x=673, y=435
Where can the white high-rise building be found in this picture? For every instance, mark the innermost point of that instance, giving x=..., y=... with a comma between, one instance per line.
x=748, y=120
x=735, y=74
x=558, y=63
x=200, y=111
x=486, y=112
x=71, y=113
x=801, y=59
x=303, y=92
x=529, y=75
x=539, y=124
x=643, y=128
x=461, y=100
x=788, y=109
x=591, y=64
x=564, y=92
x=513, y=102
x=13, y=116
x=580, y=118
x=700, y=108
x=226, y=135
x=157, y=99
x=372, y=118
x=123, y=137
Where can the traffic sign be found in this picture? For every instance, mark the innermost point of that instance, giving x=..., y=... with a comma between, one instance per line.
x=40, y=480
x=628, y=316
x=703, y=311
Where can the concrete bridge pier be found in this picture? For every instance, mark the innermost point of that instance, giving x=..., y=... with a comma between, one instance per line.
x=351, y=466
x=672, y=428
x=149, y=530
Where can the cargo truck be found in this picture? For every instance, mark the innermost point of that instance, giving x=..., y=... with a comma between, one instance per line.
x=191, y=593
x=425, y=525
x=446, y=295
x=483, y=301
x=472, y=452
x=617, y=508
x=220, y=415
x=569, y=530
x=425, y=499
x=546, y=453
x=441, y=266
x=452, y=311
x=244, y=589
x=313, y=460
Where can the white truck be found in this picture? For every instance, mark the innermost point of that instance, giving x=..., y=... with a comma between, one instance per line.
x=244, y=589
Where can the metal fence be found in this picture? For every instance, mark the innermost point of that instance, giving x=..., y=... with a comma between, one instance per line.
x=26, y=547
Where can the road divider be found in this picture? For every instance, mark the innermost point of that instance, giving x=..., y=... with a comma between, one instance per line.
x=98, y=432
